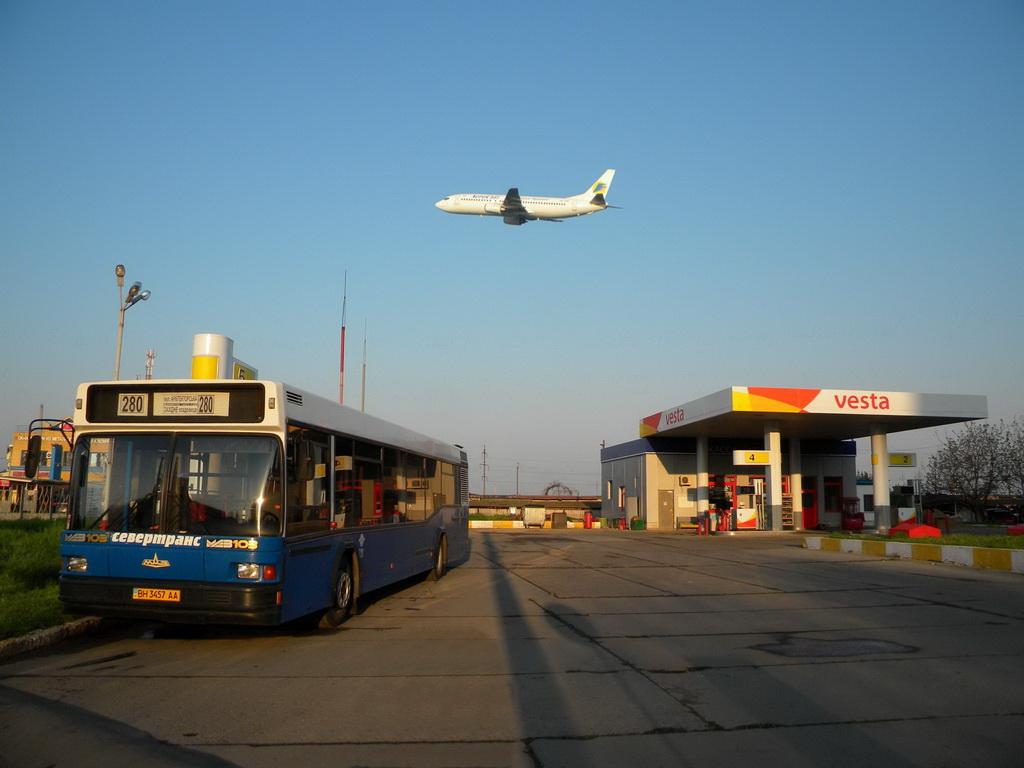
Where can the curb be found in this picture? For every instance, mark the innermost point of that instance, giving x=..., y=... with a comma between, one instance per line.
x=1011, y=560
x=518, y=524
x=43, y=638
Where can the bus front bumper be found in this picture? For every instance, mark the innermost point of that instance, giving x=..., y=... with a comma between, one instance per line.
x=193, y=603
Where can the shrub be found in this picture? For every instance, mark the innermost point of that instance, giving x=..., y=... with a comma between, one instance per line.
x=29, y=570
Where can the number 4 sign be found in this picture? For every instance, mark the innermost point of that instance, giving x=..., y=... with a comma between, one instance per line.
x=760, y=458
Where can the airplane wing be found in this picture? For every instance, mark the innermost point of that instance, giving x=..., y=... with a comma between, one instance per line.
x=513, y=204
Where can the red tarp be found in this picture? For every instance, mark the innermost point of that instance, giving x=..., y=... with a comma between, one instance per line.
x=914, y=530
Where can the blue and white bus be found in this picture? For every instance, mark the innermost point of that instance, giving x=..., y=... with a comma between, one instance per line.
x=249, y=502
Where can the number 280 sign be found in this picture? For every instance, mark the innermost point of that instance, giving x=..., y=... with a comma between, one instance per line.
x=132, y=404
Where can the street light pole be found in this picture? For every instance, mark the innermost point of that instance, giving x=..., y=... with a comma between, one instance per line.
x=135, y=295
x=119, y=271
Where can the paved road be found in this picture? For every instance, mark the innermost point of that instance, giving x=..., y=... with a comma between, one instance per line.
x=565, y=648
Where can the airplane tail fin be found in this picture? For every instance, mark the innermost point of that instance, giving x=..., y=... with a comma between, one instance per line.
x=598, y=189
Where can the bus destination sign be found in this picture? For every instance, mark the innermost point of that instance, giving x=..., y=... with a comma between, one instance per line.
x=191, y=403
x=161, y=403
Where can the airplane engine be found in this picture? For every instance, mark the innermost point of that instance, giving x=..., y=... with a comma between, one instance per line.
x=492, y=207
x=515, y=220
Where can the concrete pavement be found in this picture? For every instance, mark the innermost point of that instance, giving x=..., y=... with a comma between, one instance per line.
x=552, y=648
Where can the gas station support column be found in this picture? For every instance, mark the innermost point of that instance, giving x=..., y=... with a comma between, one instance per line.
x=880, y=476
x=796, y=483
x=702, y=474
x=773, y=444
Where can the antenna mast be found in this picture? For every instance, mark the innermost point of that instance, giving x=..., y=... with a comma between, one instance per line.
x=362, y=406
x=341, y=370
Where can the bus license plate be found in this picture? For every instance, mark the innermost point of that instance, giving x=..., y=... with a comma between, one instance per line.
x=163, y=595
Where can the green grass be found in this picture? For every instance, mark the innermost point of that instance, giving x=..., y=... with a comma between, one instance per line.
x=29, y=568
x=950, y=540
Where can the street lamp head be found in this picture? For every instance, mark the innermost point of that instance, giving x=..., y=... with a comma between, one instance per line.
x=119, y=271
x=135, y=296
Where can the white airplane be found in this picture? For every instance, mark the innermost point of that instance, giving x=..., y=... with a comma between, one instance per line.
x=515, y=209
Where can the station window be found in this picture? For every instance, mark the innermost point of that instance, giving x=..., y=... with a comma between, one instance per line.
x=833, y=494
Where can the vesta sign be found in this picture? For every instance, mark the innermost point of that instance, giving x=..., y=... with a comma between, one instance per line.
x=771, y=400
x=674, y=417
x=872, y=401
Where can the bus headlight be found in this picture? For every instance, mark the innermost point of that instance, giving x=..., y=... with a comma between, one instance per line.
x=78, y=564
x=248, y=571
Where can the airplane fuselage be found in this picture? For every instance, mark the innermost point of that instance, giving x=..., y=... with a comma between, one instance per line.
x=516, y=209
x=536, y=207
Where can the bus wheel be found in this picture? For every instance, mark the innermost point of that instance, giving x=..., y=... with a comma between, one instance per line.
x=343, y=597
x=440, y=560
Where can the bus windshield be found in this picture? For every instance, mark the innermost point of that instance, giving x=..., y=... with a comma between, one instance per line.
x=223, y=485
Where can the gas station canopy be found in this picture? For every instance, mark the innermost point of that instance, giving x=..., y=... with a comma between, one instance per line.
x=836, y=414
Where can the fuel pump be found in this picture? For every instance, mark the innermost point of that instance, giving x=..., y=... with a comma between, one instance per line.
x=750, y=505
x=759, y=502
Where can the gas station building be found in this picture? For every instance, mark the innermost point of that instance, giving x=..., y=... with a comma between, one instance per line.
x=768, y=458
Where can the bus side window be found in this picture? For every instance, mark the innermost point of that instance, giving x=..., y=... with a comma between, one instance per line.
x=394, y=486
x=344, y=504
x=307, y=499
x=416, y=500
x=447, y=484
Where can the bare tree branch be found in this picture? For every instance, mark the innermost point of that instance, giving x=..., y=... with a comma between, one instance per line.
x=972, y=465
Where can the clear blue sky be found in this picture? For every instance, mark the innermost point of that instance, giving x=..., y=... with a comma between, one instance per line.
x=814, y=195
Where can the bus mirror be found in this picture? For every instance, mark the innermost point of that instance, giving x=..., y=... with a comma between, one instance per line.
x=305, y=468
x=35, y=443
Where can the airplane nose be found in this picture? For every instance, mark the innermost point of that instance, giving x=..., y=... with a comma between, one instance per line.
x=441, y=203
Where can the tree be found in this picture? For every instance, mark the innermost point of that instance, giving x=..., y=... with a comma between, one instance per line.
x=971, y=465
x=1014, y=468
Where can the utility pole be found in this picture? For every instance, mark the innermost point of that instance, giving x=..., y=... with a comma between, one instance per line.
x=484, y=466
x=517, y=478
